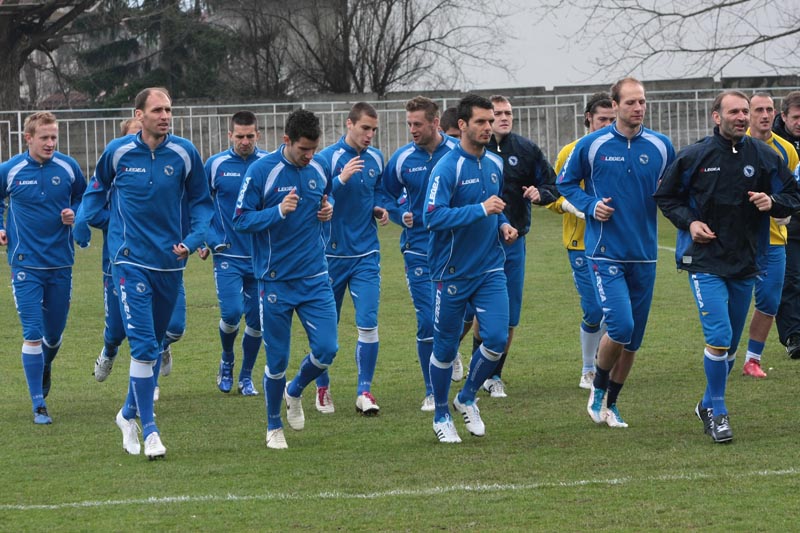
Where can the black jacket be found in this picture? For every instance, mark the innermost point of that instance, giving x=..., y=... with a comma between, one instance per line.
x=779, y=128
x=709, y=181
x=524, y=164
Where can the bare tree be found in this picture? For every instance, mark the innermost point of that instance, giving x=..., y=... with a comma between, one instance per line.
x=686, y=37
x=382, y=45
x=30, y=26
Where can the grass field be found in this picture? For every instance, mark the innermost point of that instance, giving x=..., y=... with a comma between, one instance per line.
x=543, y=464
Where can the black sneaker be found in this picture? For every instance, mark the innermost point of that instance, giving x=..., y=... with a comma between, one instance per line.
x=46, y=380
x=721, y=429
x=793, y=346
x=705, y=416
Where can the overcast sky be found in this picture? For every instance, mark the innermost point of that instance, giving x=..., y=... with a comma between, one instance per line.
x=540, y=55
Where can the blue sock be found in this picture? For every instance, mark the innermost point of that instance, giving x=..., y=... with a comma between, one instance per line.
x=250, y=346
x=755, y=347
x=33, y=365
x=50, y=352
x=227, y=336
x=324, y=379
x=366, y=360
x=273, y=396
x=481, y=367
x=731, y=361
x=440, y=380
x=308, y=372
x=129, y=410
x=110, y=348
x=424, y=350
x=143, y=384
x=157, y=368
x=716, y=368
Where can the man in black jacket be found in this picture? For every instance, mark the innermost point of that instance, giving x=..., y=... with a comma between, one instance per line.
x=720, y=193
x=528, y=179
x=787, y=125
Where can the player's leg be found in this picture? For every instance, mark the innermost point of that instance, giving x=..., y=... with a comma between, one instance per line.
x=174, y=333
x=55, y=308
x=339, y=272
x=28, y=290
x=768, y=287
x=788, y=318
x=450, y=299
x=113, y=331
x=419, y=286
x=365, y=288
x=277, y=308
x=229, y=283
x=251, y=340
x=590, y=330
x=515, y=282
x=611, y=289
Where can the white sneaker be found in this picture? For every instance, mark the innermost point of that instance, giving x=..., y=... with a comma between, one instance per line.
x=276, y=440
x=130, y=434
x=103, y=366
x=596, y=407
x=472, y=416
x=446, y=431
x=324, y=401
x=156, y=393
x=613, y=418
x=458, y=368
x=166, y=362
x=495, y=387
x=586, y=380
x=366, y=404
x=294, y=410
x=153, y=448
x=428, y=404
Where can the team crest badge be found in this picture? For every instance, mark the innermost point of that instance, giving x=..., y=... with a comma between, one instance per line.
x=613, y=270
x=644, y=159
x=272, y=298
x=140, y=287
x=168, y=170
x=494, y=177
x=749, y=171
x=512, y=160
x=312, y=184
x=579, y=261
x=452, y=290
x=20, y=276
x=224, y=265
x=372, y=173
x=418, y=271
x=55, y=180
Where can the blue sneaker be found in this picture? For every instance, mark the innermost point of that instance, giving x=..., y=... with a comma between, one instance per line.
x=225, y=377
x=40, y=416
x=246, y=387
x=596, y=407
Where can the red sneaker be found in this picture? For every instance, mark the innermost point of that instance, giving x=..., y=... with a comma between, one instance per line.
x=753, y=368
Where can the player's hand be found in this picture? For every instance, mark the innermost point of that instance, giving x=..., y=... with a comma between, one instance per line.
x=509, y=233
x=761, y=200
x=203, y=252
x=181, y=251
x=381, y=215
x=532, y=194
x=354, y=165
x=700, y=232
x=67, y=216
x=408, y=219
x=289, y=202
x=325, y=209
x=603, y=211
x=3, y=237
x=494, y=205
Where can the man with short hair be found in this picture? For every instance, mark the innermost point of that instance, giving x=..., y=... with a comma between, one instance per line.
x=720, y=193
x=283, y=205
x=769, y=283
x=468, y=230
x=449, y=123
x=528, y=179
x=353, y=251
x=787, y=127
x=598, y=114
x=237, y=287
x=44, y=188
x=619, y=167
x=160, y=210
x=406, y=177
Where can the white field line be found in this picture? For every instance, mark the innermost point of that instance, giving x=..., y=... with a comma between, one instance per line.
x=335, y=495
